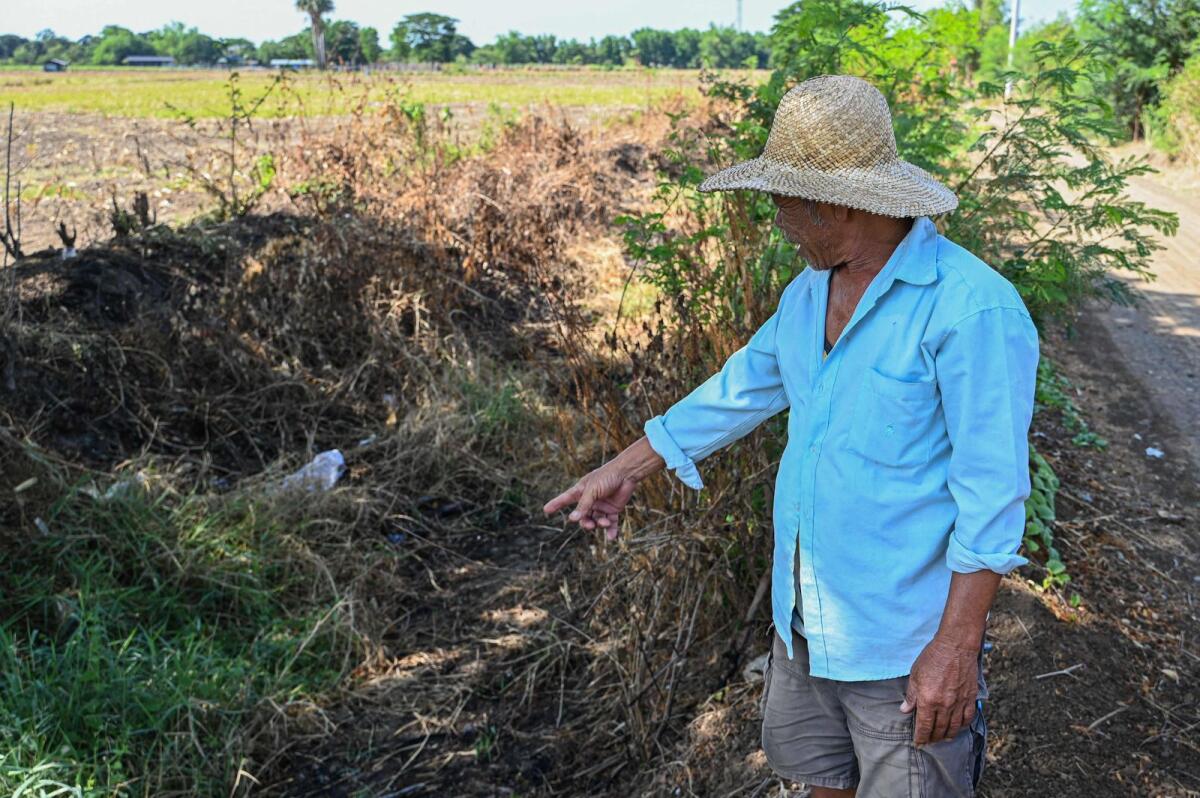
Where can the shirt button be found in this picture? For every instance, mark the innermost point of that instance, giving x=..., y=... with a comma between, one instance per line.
x=813, y=448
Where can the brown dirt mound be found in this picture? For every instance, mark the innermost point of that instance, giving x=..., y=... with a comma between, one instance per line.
x=129, y=349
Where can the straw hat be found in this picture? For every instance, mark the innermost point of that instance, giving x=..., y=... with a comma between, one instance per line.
x=832, y=141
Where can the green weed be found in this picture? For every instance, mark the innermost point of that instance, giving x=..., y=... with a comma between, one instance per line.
x=1051, y=391
x=486, y=745
x=496, y=409
x=1040, y=516
x=142, y=639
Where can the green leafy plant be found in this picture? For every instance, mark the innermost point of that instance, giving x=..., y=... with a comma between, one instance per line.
x=1174, y=125
x=1040, y=199
x=487, y=744
x=1040, y=517
x=225, y=161
x=1051, y=391
x=1145, y=42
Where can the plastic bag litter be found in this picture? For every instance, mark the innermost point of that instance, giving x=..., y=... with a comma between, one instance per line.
x=118, y=490
x=755, y=669
x=322, y=473
x=1155, y=452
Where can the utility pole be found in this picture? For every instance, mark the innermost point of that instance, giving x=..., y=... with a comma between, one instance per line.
x=1012, y=43
x=739, y=15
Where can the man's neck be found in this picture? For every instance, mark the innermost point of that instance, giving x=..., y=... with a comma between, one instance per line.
x=872, y=249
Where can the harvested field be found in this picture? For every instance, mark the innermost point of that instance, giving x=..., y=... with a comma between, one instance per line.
x=73, y=164
x=133, y=92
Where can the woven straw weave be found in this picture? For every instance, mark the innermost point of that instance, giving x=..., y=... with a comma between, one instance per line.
x=832, y=141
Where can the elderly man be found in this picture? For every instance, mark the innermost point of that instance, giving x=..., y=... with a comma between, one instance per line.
x=908, y=366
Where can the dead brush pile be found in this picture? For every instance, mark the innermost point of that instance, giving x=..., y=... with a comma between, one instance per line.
x=405, y=311
x=232, y=345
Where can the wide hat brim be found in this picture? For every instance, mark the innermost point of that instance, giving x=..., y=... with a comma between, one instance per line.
x=898, y=188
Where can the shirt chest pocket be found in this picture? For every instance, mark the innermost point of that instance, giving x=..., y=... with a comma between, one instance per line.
x=894, y=420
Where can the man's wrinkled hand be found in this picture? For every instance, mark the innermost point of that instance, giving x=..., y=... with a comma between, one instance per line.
x=601, y=495
x=942, y=688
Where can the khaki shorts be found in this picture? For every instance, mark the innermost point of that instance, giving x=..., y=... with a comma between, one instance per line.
x=852, y=734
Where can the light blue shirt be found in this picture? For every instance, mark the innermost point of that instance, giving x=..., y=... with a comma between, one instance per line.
x=907, y=455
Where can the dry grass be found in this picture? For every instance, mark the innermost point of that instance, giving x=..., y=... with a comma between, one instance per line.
x=411, y=310
x=432, y=313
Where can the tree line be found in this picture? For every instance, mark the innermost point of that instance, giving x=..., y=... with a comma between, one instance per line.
x=1153, y=48
x=417, y=38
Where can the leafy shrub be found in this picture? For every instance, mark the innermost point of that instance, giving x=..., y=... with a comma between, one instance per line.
x=1040, y=517
x=1057, y=246
x=1051, y=392
x=1145, y=43
x=1174, y=126
x=224, y=161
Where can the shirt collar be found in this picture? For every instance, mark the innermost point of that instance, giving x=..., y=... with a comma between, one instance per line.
x=915, y=257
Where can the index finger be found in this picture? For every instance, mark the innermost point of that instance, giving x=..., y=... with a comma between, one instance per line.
x=563, y=499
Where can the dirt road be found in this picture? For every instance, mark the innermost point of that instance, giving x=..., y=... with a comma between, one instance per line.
x=1159, y=339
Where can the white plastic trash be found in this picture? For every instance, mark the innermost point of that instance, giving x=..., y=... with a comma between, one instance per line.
x=123, y=488
x=322, y=473
x=755, y=669
x=117, y=490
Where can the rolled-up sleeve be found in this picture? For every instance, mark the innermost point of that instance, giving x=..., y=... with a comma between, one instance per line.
x=986, y=370
x=727, y=406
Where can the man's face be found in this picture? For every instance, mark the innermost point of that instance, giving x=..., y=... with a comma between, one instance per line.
x=802, y=224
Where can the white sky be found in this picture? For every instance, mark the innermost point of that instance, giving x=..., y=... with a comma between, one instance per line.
x=481, y=20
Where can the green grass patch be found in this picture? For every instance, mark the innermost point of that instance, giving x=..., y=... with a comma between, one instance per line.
x=144, y=640
x=638, y=299
x=203, y=93
x=52, y=190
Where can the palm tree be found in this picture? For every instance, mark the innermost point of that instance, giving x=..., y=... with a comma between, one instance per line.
x=316, y=9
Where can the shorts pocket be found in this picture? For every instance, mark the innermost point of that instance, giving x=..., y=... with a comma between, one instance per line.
x=894, y=420
x=888, y=763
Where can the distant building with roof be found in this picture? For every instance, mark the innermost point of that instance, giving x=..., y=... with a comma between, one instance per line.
x=293, y=63
x=148, y=60
x=55, y=65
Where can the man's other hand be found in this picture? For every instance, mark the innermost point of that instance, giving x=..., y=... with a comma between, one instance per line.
x=942, y=688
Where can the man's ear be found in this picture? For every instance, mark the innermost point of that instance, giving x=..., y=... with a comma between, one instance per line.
x=839, y=213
